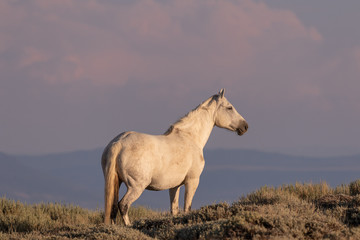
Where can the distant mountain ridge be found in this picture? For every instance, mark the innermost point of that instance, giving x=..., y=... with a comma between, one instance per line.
x=76, y=177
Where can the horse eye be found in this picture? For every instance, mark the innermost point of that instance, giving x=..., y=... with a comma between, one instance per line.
x=229, y=108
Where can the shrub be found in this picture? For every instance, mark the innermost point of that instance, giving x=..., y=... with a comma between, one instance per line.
x=299, y=211
x=20, y=217
x=307, y=191
x=355, y=187
x=21, y=221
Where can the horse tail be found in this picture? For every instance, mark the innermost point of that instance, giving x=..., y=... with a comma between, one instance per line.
x=112, y=181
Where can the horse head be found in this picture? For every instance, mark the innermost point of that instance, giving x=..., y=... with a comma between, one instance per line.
x=227, y=117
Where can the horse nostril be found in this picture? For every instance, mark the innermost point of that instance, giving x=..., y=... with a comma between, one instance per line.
x=246, y=126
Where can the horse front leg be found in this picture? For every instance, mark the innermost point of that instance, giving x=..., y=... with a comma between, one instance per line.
x=190, y=189
x=174, y=200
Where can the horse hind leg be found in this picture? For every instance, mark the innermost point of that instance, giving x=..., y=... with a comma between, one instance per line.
x=130, y=196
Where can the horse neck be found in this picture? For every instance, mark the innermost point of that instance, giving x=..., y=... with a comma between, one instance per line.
x=198, y=126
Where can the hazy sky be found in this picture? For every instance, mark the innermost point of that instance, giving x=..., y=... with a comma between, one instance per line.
x=73, y=74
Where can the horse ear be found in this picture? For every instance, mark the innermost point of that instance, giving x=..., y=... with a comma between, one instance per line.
x=222, y=93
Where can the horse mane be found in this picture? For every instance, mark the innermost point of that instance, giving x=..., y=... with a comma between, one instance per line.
x=184, y=121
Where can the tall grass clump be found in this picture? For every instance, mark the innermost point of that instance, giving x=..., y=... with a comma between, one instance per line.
x=288, y=193
x=20, y=217
x=308, y=191
x=355, y=188
x=63, y=221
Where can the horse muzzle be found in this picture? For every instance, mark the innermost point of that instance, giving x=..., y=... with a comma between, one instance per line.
x=242, y=129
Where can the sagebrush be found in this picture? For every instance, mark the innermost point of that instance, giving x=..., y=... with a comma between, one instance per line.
x=299, y=211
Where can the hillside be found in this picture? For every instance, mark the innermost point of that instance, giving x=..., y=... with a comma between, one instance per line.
x=76, y=177
x=300, y=211
x=29, y=181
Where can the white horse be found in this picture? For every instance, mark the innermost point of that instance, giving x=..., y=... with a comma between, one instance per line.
x=167, y=161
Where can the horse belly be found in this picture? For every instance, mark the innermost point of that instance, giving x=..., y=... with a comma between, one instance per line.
x=171, y=171
x=166, y=181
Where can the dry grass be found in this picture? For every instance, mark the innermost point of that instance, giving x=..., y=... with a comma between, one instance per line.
x=354, y=188
x=59, y=221
x=300, y=211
